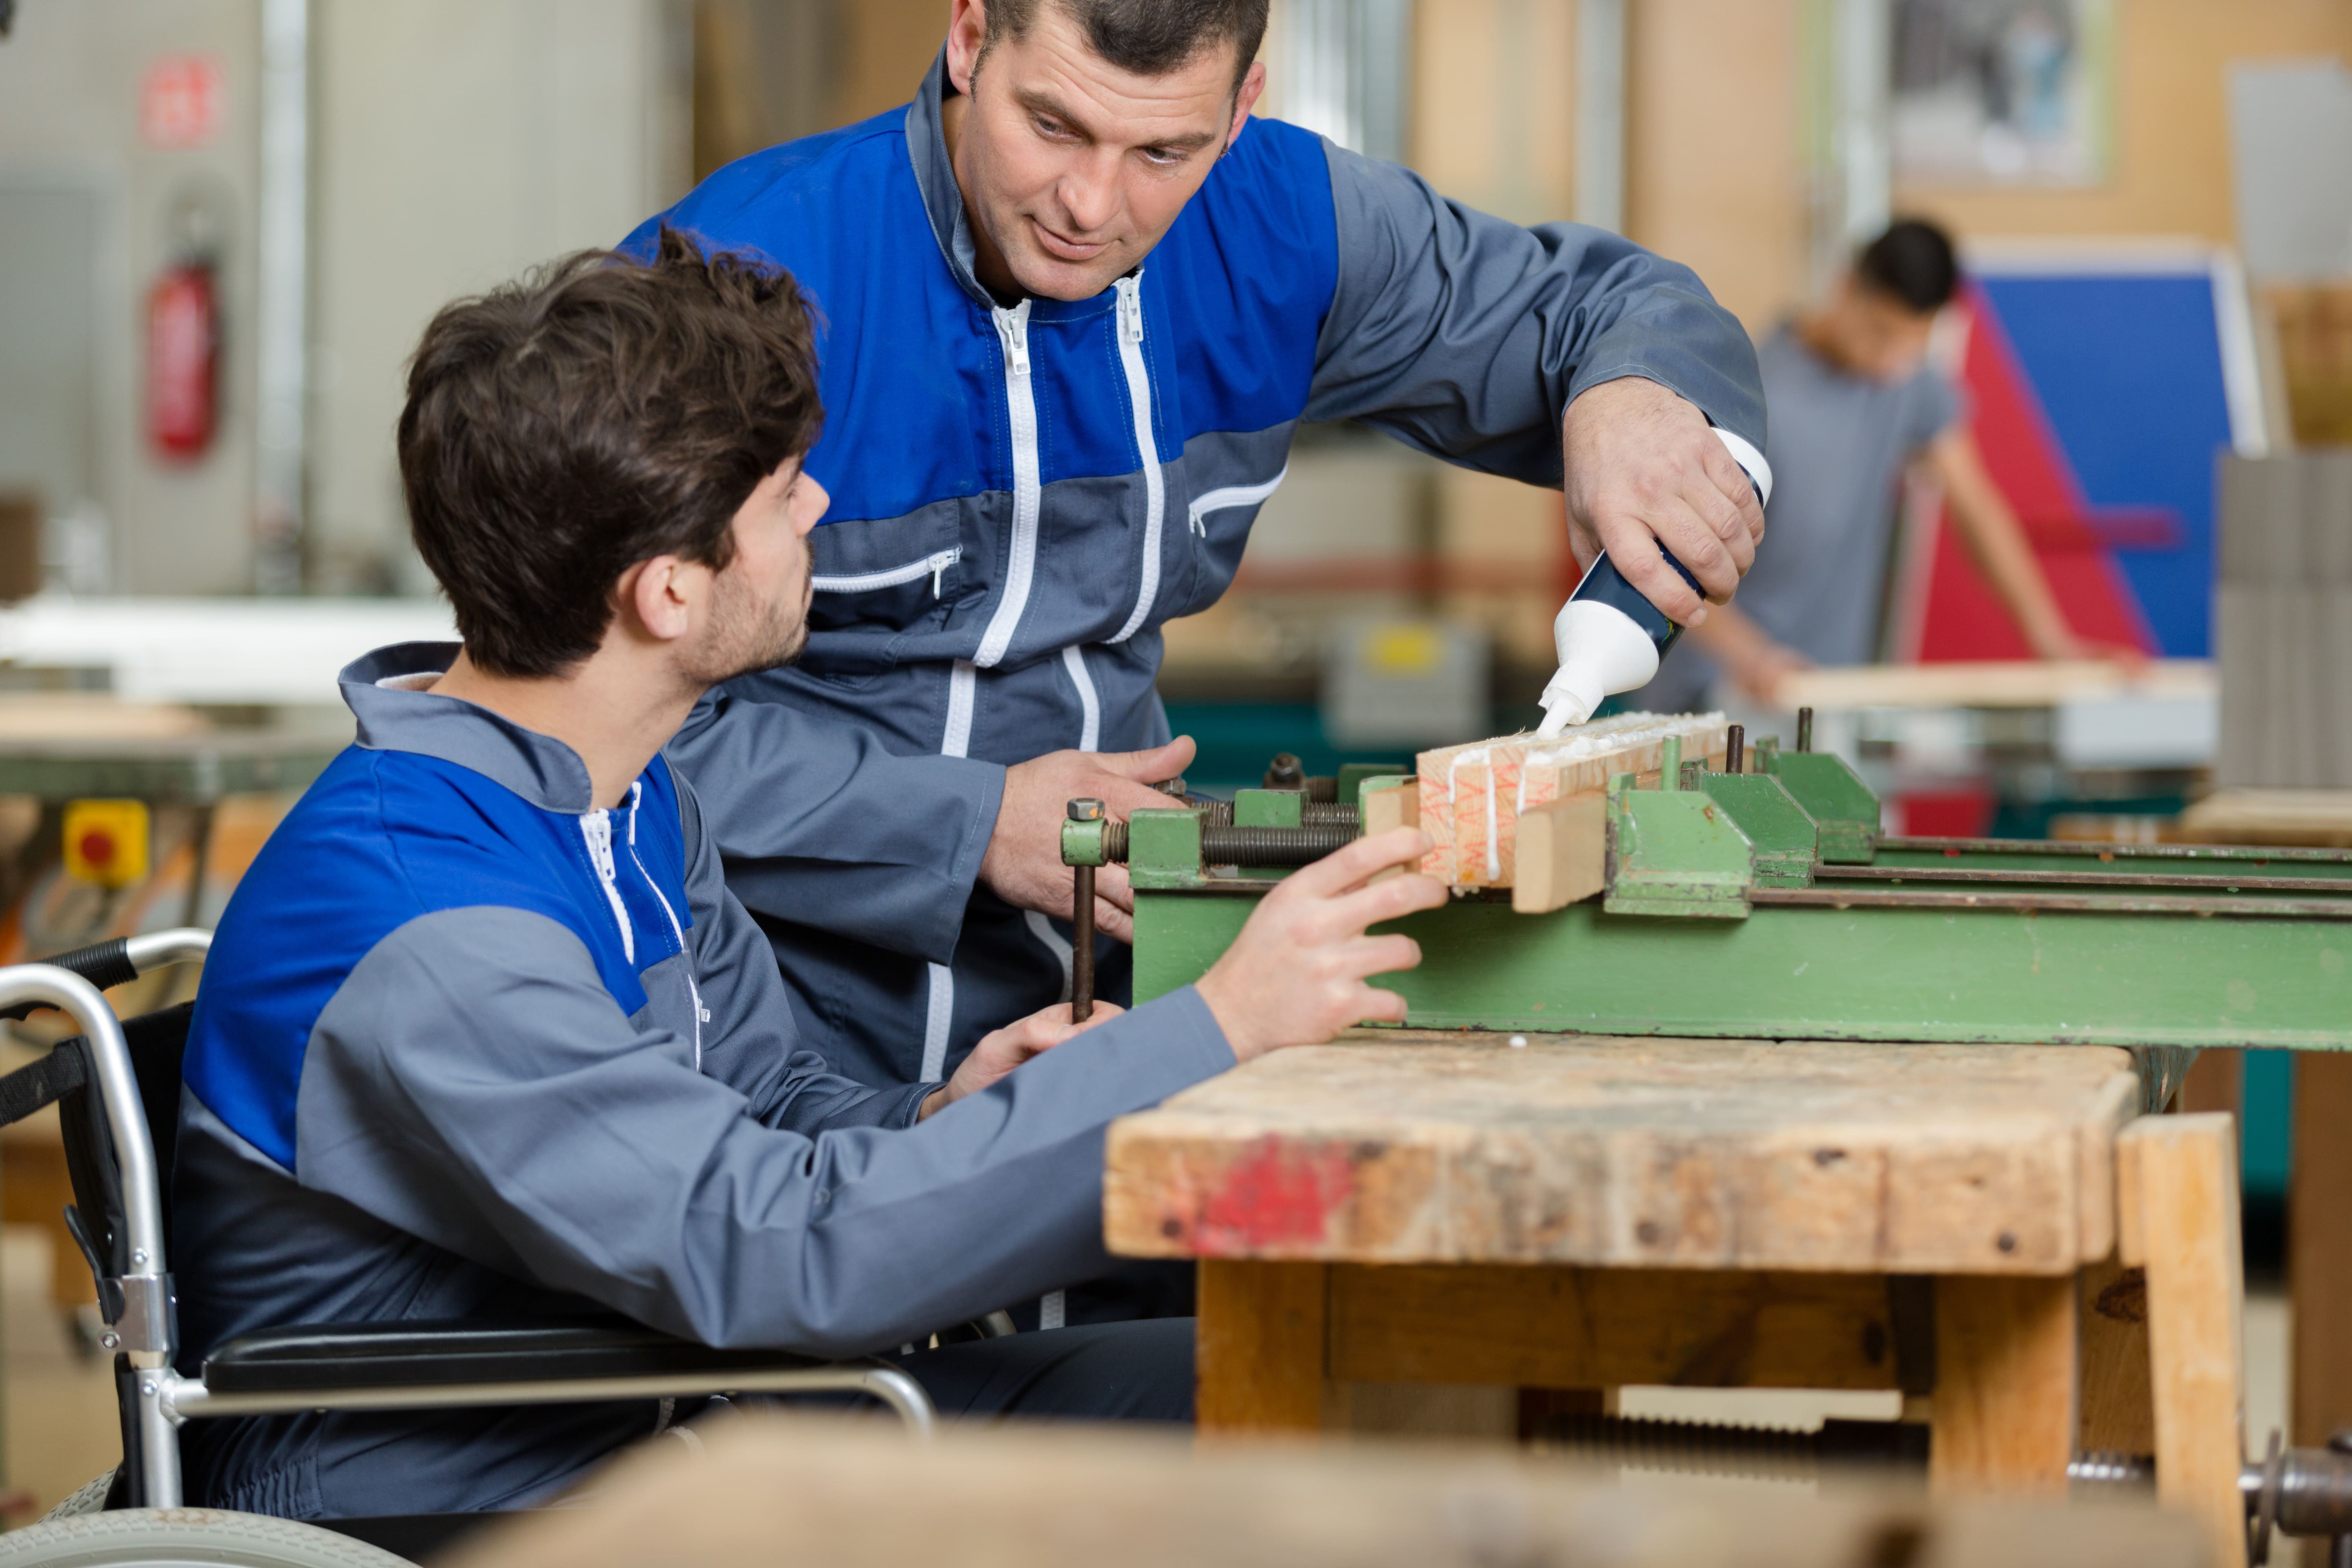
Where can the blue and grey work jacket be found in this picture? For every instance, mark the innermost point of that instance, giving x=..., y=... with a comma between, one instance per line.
x=1023, y=495
x=470, y=1047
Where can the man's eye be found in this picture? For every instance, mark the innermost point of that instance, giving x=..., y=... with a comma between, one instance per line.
x=1166, y=157
x=1048, y=127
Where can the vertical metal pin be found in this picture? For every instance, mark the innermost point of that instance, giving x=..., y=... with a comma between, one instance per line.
x=1082, y=922
x=1804, y=729
x=1735, y=742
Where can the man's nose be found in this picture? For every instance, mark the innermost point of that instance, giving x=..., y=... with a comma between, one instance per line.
x=820, y=502
x=1090, y=193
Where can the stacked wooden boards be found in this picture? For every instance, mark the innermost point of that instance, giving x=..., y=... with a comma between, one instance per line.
x=1473, y=798
x=2283, y=630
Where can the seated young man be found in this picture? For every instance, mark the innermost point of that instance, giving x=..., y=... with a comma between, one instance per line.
x=484, y=1036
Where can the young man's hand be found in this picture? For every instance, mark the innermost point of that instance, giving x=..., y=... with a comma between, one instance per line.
x=1295, y=975
x=1024, y=862
x=1642, y=469
x=1000, y=1052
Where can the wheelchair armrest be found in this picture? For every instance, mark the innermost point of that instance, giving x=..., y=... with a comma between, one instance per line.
x=412, y=1354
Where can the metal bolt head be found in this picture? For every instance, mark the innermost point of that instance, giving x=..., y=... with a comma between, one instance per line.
x=110, y=1341
x=1174, y=787
x=139, y=1256
x=1087, y=809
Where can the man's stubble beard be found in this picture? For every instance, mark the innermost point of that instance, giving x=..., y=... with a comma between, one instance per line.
x=747, y=637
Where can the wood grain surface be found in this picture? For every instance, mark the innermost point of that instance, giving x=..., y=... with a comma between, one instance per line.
x=1421, y=1148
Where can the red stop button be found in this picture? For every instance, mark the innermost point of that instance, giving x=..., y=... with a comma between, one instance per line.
x=97, y=847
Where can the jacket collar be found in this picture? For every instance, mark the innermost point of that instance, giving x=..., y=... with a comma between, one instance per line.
x=392, y=716
x=926, y=146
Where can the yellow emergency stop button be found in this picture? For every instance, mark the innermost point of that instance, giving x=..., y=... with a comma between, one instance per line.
x=105, y=842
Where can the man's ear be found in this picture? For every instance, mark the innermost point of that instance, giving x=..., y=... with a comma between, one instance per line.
x=1253, y=88
x=663, y=595
x=967, y=35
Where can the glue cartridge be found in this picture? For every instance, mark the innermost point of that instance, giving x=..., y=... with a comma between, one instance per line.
x=1610, y=639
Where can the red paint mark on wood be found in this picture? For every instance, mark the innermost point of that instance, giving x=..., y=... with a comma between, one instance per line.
x=1275, y=1199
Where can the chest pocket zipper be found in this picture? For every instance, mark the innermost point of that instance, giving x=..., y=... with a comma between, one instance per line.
x=934, y=566
x=1146, y=448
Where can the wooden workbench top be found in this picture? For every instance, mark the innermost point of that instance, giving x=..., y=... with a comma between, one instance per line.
x=1453, y=1148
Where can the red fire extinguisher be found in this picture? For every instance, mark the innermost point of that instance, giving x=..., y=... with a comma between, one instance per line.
x=183, y=360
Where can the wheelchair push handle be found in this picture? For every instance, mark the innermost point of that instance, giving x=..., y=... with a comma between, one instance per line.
x=121, y=960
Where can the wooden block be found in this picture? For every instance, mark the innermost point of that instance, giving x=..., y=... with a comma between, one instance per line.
x=2320, y=818
x=2319, y=1250
x=1996, y=683
x=2004, y=1417
x=2118, y=1414
x=1562, y=853
x=1604, y=1327
x=858, y=1494
x=1260, y=1358
x=2181, y=1178
x=1472, y=796
x=1387, y=809
x=1413, y=1148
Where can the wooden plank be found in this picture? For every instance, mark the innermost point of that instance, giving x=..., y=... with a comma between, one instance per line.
x=2004, y=1415
x=1992, y=683
x=2319, y=1250
x=1260, y=1353
x=1563, y=852
x=2320, y=818
x=1604, y=1327
x=2181, y=1177
x=858, y=1494
x=2118, y=1414
x=1385, y=810
x=1472, y=795
x=1638, y=1153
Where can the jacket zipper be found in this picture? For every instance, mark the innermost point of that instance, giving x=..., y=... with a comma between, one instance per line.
x=596, y=827
x=1021, y=405
x=1230, y=497
x=701, y=1014
x=934, y=565
x=1146, y=447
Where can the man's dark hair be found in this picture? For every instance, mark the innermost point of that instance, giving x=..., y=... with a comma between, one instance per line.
x=598, y=413
x=1913, y=262
x=1149, y=37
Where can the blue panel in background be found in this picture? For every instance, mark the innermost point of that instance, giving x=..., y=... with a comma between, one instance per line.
x=2128, y=368
x=2266, y=1142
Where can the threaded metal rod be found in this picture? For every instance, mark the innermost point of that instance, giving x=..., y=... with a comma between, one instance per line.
x=1222, y=844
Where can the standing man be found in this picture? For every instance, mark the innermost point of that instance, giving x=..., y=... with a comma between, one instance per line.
x=1855, y=405
x=1075, y=302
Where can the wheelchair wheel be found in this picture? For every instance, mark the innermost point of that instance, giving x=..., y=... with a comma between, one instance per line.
x=184, y=1537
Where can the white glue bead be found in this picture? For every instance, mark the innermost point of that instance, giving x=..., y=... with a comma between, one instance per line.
x=1518, y=1041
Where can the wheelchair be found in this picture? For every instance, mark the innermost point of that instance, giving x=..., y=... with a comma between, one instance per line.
x=117, y=1087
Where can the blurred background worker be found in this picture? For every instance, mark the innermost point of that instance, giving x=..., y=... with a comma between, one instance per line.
x=1854, y=407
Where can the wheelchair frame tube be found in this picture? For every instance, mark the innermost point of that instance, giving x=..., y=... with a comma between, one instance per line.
x=146, y=1320
x=187, y=1398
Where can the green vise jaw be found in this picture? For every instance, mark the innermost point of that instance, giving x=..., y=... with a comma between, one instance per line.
x=1840, y=804
x=1082, y=843
x=1784, y=837
x=1267, y=807
x=1353, y=776
x=1163, y=848
x=1675, y=852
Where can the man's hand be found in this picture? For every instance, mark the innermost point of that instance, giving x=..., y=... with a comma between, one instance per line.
x=1023, y=863
x=1640, y=465
x=1000, y=1052
x=1296, y=974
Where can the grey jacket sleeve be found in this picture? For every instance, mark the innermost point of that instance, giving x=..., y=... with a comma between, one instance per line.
x=503, y=1108
x=820, y=825
x=1466, y=336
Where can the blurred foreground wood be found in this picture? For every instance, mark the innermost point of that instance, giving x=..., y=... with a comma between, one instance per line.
x=851, y=1494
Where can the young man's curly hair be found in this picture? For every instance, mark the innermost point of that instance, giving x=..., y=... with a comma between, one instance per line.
x=598, y=413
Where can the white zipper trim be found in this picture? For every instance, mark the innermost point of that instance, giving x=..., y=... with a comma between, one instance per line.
x=1230, y=497
x=684, y=958
x=596, y=827
x=1155, y=493
x=934, y=566
x=1028, y=493
x=939, y=1013
x=1074, y=659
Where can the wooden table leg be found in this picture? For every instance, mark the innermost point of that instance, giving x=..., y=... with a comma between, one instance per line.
x=1262, y=1347
x=2318, y=1259
x=2004, y=1405
x=2177, y=1189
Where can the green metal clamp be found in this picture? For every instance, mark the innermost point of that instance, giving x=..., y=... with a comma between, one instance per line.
x=1163, y=848
x=1268, y=807
x=1784, y=836
x=1840, y=805
x=1083, y=842
x=1674, y=851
